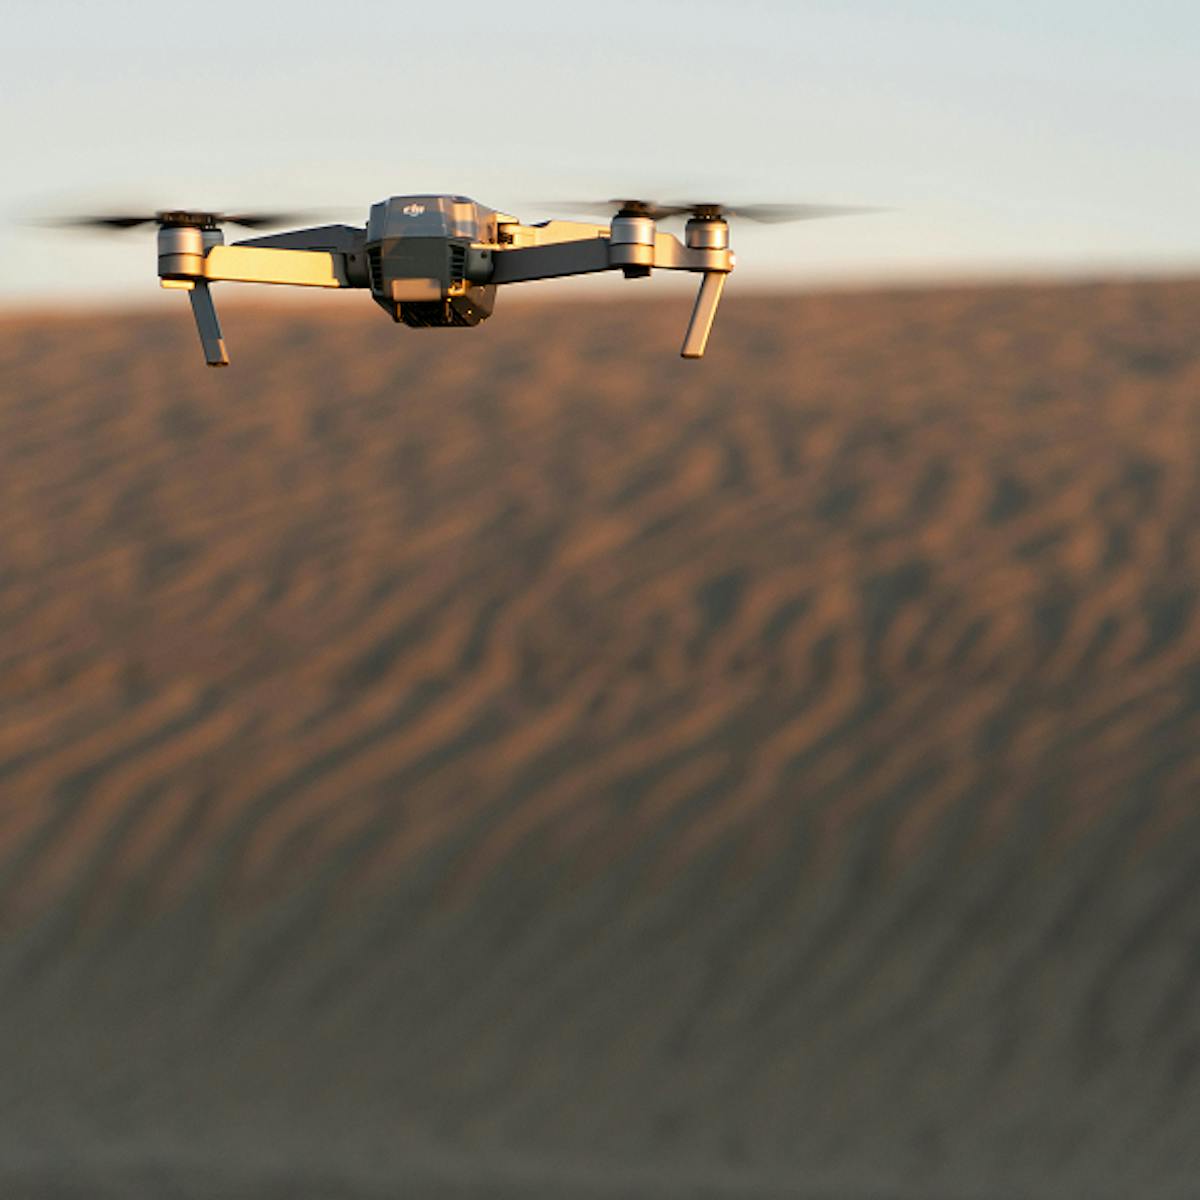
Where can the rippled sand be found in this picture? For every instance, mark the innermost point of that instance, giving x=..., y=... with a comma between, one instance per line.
x=518, y=763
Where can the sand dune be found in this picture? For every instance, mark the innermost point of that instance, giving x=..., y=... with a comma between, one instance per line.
x=516, y=762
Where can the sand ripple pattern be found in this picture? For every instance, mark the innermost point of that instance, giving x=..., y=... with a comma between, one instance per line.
x=518, y=763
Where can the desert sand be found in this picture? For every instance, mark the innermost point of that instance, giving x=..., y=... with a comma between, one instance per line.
x=514, y=762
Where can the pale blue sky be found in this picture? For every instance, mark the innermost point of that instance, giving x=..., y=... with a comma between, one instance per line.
x=1057, y=136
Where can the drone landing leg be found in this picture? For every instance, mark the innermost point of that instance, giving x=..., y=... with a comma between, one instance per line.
x=205, y=313
x=707, y=299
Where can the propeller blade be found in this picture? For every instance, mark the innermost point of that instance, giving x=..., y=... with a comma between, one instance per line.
x=198, y=217
x=263, y=220
x=604, y=208
x=97, y=222
x=773, y=214
x=767, y=214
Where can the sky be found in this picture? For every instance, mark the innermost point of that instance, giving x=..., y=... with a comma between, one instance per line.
x=1003, y=139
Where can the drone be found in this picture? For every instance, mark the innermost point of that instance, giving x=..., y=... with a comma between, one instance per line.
x=436, y=261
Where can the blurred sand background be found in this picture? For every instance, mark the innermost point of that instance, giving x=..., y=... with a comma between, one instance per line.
x=518, y=763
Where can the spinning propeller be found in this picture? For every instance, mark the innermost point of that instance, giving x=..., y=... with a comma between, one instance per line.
x=767, y=214
x=182, y=217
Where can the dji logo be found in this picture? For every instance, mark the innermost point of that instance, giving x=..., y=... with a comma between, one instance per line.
x=413, y=210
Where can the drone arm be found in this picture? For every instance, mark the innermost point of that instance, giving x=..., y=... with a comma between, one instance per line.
x=703, y=314
x=548, y=233
x=525, y=263
x=298, y=268
x=344, y=239
x=190, y=257
x=208, y=325
x=715, y=260
x=588, y=255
